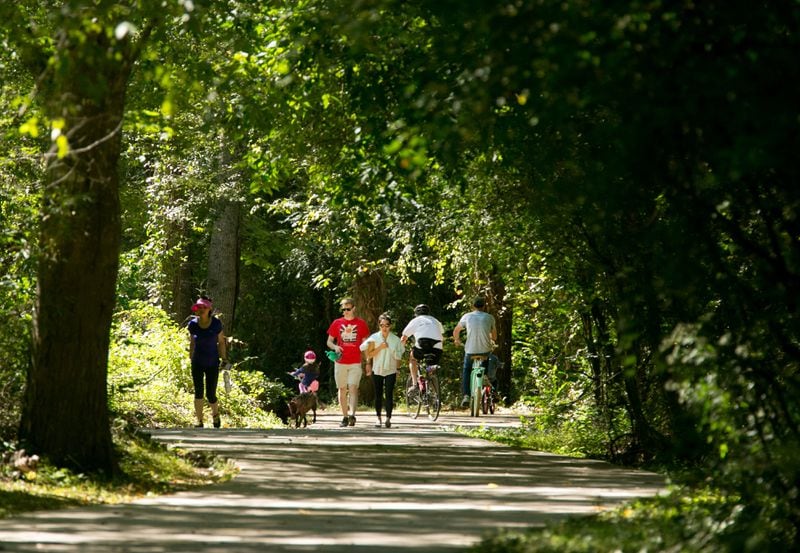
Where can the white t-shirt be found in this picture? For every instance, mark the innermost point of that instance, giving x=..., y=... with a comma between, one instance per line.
x=385, y=362
x=479, y=326
x=425, y=326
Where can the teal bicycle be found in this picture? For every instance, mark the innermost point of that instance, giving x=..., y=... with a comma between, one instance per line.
x=476, y=385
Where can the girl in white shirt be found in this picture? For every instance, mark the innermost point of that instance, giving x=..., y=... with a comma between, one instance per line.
x=385, y=349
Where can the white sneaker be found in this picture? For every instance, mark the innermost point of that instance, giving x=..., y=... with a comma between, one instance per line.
x=464, y=401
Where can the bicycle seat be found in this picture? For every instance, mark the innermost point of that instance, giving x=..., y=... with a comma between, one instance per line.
x=478, y=357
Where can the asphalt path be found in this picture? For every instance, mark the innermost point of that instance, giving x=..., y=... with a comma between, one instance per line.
x=417, y=487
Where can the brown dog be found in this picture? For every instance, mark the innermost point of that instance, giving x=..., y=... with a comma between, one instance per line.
x=300, y=405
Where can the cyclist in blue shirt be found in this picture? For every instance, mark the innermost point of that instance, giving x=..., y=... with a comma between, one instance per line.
x=481, y=335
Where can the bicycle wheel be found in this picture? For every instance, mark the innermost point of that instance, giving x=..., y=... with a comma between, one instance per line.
x=475, y=399
x=422, y=398
x=413, y=400
x=491, y=401
x=475, y=395
x=485, y=400
x=434, y=401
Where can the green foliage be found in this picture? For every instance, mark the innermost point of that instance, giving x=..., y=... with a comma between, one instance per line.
x=19, y=200
x=150, y=382
x=692, y=516
x=573, y=433
x=686, y=519
x=167, y=215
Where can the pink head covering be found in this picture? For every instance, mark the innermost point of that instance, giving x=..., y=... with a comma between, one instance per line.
x=202, y=302
x=310, y=356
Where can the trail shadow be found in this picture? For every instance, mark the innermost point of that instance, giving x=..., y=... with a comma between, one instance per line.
x=26, y=502
x=410, y=488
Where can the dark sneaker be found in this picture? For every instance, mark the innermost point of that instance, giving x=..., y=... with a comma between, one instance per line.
x=388, y=423
x=344, y=422
x=464, y=401
x=217, y=422
x=352, y=421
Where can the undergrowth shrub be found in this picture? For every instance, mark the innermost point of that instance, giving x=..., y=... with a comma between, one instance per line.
x=686, y=519
x=150, y=380
x=575, y=428
x=18, y=223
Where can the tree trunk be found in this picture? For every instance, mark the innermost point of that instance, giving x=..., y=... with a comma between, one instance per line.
x=65, y=414
x=369, y=294
x=647, y=441
x=176, y=267
x=177, y=271
x=223, y=263
x=503, y=314
x=601, y=350
x=594, y=361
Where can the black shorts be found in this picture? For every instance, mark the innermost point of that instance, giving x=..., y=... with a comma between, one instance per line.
x=423, y=347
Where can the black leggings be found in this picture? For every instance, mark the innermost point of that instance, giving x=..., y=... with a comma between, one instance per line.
x=211, y=375
x=379, y=382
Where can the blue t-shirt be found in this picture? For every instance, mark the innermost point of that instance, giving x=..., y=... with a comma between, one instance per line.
x=205, y=342
x=479, y=326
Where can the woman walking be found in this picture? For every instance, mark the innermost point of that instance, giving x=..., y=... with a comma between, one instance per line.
x=385, y=349
x=206, y=346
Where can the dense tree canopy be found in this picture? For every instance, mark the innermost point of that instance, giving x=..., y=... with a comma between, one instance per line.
x=617, y=179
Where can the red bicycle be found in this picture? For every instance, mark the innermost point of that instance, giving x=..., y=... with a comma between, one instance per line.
x=487, y=397
x=426, y=393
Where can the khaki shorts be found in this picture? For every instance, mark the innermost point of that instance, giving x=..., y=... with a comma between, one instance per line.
x=347, y=375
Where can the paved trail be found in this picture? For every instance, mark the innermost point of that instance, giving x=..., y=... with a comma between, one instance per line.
x=414, y=488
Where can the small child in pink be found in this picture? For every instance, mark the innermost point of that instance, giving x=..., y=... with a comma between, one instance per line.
x=308, y=373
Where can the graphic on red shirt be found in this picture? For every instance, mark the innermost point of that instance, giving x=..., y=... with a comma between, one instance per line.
x=348, y=333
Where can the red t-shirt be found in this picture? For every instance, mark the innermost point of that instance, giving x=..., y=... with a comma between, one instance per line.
x=349, y=335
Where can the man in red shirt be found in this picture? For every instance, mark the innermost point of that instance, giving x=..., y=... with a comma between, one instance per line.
x=344, y=337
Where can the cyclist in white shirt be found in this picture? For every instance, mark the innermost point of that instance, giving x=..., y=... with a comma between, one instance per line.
x=428, y=336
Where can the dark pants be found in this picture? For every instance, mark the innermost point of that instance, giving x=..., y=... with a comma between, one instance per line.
x=211, y=375
x=380, y=383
